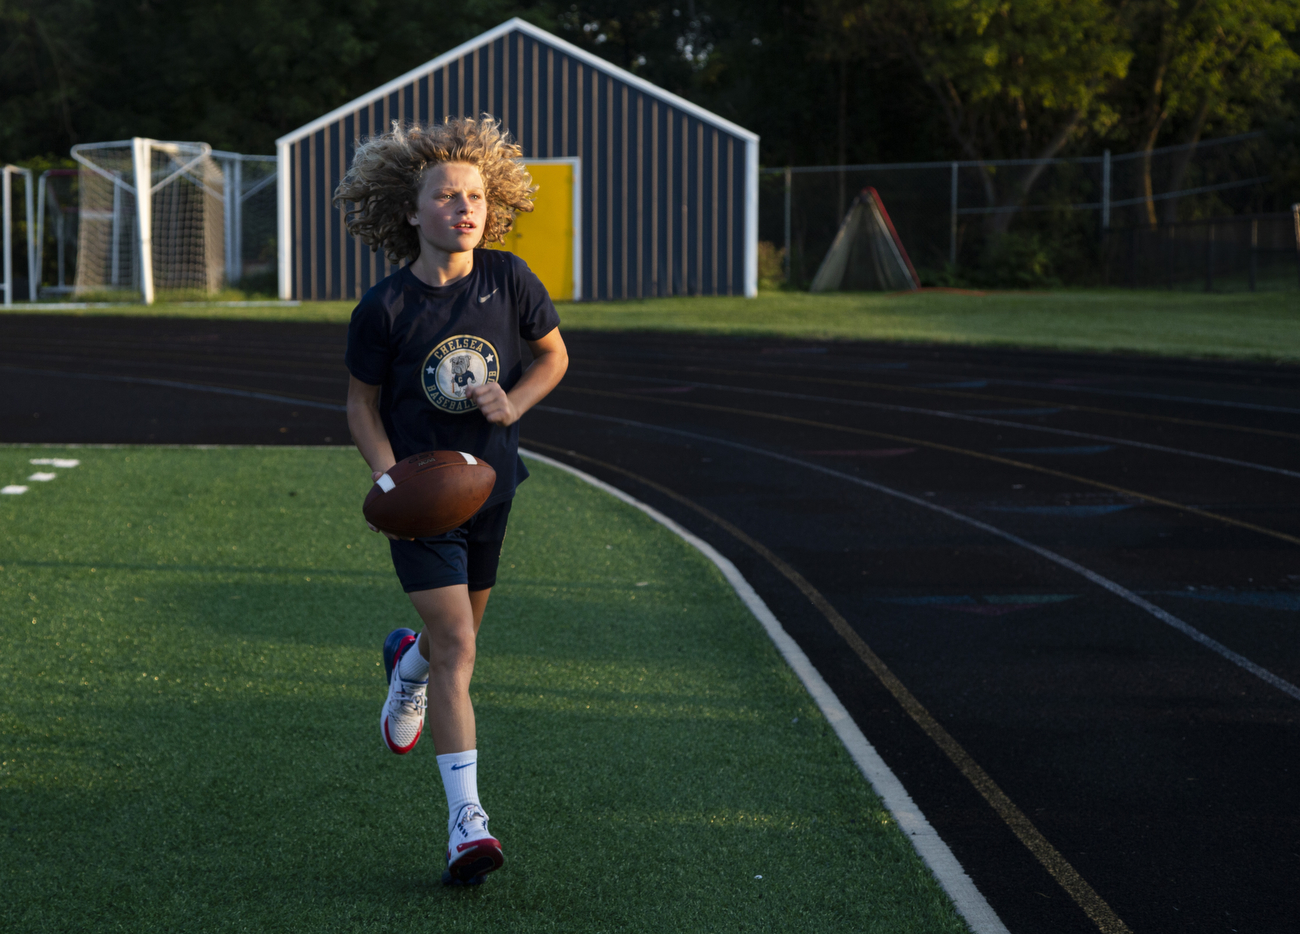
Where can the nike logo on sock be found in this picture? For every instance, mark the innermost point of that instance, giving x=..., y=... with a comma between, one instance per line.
x=463, y=766
x=484, y=298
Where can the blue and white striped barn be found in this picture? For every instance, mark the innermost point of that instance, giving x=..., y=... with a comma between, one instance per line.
x=668, y=190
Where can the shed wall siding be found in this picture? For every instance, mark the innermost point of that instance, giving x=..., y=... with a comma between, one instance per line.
x=662, y=197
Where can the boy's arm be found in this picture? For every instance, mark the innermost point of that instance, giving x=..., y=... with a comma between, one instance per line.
x=368, y=432
x=367, y=427
x=550, y=360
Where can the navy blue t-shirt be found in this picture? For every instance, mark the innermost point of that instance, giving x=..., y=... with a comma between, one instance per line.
x=425, y=345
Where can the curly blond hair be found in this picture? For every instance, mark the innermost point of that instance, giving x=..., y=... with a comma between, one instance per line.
x=383, y=183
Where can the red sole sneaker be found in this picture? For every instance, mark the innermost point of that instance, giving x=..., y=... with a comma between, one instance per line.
x=473, y=862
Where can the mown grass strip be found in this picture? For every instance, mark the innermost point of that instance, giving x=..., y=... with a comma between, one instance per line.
x=1241, y=325
x=189, y=734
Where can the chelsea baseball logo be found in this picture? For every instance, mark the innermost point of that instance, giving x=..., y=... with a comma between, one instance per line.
x=455, y=365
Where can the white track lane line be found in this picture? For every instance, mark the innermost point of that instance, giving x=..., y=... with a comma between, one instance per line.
x=961, y=416
x=1223, y=403
x=172, y=384
x=1106, y=583
x=968, y=900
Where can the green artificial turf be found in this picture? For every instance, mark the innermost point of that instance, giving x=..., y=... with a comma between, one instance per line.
x=189, y=728
x=1262, y=325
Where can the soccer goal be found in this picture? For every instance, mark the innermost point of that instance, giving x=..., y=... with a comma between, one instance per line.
x=6, y=185
x=250, y=186
x=152, y=218
x=867, y=254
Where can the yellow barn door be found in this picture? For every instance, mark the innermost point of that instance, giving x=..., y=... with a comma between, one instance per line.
x=547, y=238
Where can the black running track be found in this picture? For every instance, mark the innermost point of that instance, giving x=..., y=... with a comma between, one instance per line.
x=1162, y=496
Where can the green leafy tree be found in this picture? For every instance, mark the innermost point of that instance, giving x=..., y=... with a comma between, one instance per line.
x=43, y=74
x=1202, y=64
x=1014, y=79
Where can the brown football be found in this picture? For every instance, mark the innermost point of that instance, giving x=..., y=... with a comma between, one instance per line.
x=429, y=493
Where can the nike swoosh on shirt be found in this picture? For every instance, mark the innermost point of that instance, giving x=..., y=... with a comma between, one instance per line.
x=484, y=298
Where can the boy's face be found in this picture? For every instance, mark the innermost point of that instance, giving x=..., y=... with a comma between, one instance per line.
x=451, y=210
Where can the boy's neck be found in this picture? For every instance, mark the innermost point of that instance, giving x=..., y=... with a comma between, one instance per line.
x=438, y=267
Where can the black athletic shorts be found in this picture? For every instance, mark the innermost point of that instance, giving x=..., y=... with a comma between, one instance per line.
x=465, y=555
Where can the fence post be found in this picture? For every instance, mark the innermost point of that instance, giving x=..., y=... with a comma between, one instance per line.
x=1254, y=246
x=952, y=223
x=33, y=275
x=1295, y=215
x=1209, y=259
x=7, y=199
x=58, y=236
x=1169, y=256
x=1132, y=257
x=789, y=184
x=1105, y=192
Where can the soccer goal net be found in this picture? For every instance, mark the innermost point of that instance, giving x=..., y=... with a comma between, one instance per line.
x=152, y=219
x=866, y=255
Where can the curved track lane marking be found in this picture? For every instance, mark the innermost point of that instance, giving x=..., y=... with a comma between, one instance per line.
x=970, y=902
x=958, y=416
x=1286, y=687
x=196, y=387
x=1083, y=894
x=1018, y=400
x=279, y=372
x=772, y=416
x=1163, y=397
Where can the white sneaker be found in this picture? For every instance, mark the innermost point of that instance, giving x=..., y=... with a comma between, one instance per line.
x=472, y=852
x=402, y=718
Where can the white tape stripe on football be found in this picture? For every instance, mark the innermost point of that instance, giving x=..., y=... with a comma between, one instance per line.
x=386, y=483
x=469, y=458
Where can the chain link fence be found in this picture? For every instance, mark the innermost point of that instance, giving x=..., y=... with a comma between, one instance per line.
x=1135, y=218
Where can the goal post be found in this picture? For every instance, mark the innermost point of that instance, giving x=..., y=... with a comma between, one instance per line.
x=152, y=218
x=140, y=162
x=250, y=190
x=6, y=185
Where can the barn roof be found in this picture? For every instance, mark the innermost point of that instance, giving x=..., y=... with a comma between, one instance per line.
x=541, y=35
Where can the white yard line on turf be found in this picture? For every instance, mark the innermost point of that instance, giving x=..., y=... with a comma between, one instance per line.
x=1286, y=687
x=968, y=900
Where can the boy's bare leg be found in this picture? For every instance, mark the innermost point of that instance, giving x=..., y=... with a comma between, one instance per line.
x=452, y=616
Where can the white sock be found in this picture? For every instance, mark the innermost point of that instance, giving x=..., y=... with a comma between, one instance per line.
x=413, y=666
x=459, y=780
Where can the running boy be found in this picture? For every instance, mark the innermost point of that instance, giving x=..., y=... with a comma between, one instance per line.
x=434, y=353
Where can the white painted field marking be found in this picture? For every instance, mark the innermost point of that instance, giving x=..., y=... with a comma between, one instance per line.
x=967, y=899
x=1286, y=687
x=65, y=463
x=12, y=490
x=42, y=477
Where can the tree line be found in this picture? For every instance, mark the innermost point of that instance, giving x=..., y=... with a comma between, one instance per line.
x=822, y=81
